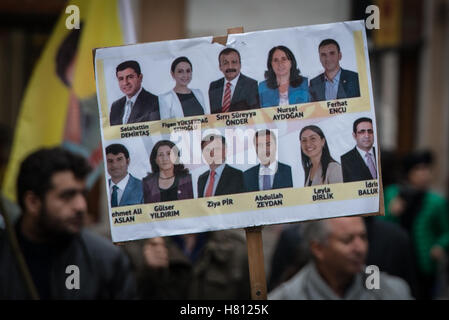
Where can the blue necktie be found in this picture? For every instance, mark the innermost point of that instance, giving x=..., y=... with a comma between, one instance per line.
x=266, y=182
x=114, y=196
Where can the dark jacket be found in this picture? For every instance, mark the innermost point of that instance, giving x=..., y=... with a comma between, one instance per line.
x=348, y=86
x=146, y=108
x=354, y=167
x=219, y=271
x=104, y=270
x=245, y=96
x=231, y=181
x=152, y=193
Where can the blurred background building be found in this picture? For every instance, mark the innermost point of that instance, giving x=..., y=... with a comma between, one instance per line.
x=409, y=56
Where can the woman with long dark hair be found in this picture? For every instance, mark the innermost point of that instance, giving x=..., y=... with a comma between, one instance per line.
x=283, y=83
x=169, y=179
x=319, y=166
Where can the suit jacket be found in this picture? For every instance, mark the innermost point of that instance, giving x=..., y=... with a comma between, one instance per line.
x=231, y=181
x=354, y=167
x=282, y=178
x=245, y=97
x=132, y=193
x=348, y=86
x=151, y=192
x=270, y=97
x=146, y=108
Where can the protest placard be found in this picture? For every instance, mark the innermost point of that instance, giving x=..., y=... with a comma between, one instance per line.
x=287, y=141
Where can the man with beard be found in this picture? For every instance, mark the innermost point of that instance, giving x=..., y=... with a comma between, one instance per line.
x=238, y=92
x=63, y=260
x=360, y=163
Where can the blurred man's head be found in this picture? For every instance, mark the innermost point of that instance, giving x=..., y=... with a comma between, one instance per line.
x=51, y=190
x=117, y=161
x=418, y=169
x=338, y=246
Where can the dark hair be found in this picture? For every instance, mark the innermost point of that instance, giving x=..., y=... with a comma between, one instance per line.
x=117, y=148
x=265, y=132
x=38, y=168
x=227, y=51
x=326, y=157
x=210, y=138
x=179, y=60
x=128, y=64
x=295, y=76
x=66, y=53
x=179, y=168
x=415, y=158
x=358, y=121
x=326, y=42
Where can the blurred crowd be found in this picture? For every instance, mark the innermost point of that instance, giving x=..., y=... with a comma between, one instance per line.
x=406, y=250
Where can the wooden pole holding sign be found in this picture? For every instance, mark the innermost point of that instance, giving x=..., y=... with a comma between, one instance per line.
x=253, y=234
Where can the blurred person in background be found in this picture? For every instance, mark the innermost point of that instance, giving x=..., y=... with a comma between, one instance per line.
x=424, y=214
x=6, y=205
x=209, y=265
x=51, y=190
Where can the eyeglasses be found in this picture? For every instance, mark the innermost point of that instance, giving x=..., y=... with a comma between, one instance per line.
x=363, y=131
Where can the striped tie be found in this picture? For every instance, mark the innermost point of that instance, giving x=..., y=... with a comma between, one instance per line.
x=227, y=98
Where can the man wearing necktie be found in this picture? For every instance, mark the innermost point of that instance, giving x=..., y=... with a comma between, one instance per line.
x=360, y=163
x=138, y=105
x=220, y=179
x=235, y=91
x=123, y=187
x=270, y=173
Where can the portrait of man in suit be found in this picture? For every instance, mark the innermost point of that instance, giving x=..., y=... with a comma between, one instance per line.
x=235, y=91
x=220, y=179
x=270, y=173
x=137, y=105
x=123, y=187
x=360, y=163
x=335, y=82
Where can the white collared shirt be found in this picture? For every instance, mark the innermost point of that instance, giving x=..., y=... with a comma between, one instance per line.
x=133, y=101
x=121, y=187
x=270, y=171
